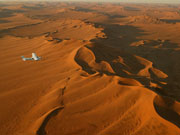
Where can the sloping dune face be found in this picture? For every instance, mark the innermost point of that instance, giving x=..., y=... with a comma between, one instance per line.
x=102, y=70
x=110, y=103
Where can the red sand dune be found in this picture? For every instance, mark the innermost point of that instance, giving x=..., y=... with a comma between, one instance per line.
x=105, y=70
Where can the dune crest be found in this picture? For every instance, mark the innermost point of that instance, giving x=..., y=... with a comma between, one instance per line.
x=86, y=59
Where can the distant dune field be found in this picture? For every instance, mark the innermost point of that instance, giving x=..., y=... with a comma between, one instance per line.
x=105, y=69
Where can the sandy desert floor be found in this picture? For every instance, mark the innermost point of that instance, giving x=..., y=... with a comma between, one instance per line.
x=105, y=69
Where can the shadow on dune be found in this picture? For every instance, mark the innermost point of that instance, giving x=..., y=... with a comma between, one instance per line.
x=164, y=107
x=110, y=15
x=4, y=21
x=119, y=35
x=131, y=8
x=164, y=58
x=41, y=130
x=117, y=46
x=173, y=21
x=9, y=13
x=35, y=7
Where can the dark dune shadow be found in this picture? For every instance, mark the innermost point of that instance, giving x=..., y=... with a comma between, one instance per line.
x=173, y=21
x=156, y=45
x=4, y=21
x=10, y=31
x=116, y=46
x=168, y=114
x=3, y=32
x=41, y=17
x=6, y=13
x=9, y=13
x=84, y=9
x=119, y=35
x=41, y=130
x=109, y=54
x=131, y=8
x=111, y=16
x=163, y=58
x=34, y=7
x=166, y=111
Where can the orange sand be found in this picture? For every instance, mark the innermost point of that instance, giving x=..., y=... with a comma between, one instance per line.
x=106, y=69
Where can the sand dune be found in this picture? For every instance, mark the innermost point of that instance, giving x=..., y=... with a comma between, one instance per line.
x=105, y=70
x=62, y=29
x=18, y=20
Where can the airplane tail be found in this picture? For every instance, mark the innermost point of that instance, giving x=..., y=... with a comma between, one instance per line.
x=23, y=58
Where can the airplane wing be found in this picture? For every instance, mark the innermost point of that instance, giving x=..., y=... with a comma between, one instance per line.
x=35, y=57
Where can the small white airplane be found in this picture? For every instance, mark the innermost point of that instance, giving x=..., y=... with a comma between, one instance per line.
x=34, y=57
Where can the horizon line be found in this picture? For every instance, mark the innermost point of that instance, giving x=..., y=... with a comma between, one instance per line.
x=101, y=1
